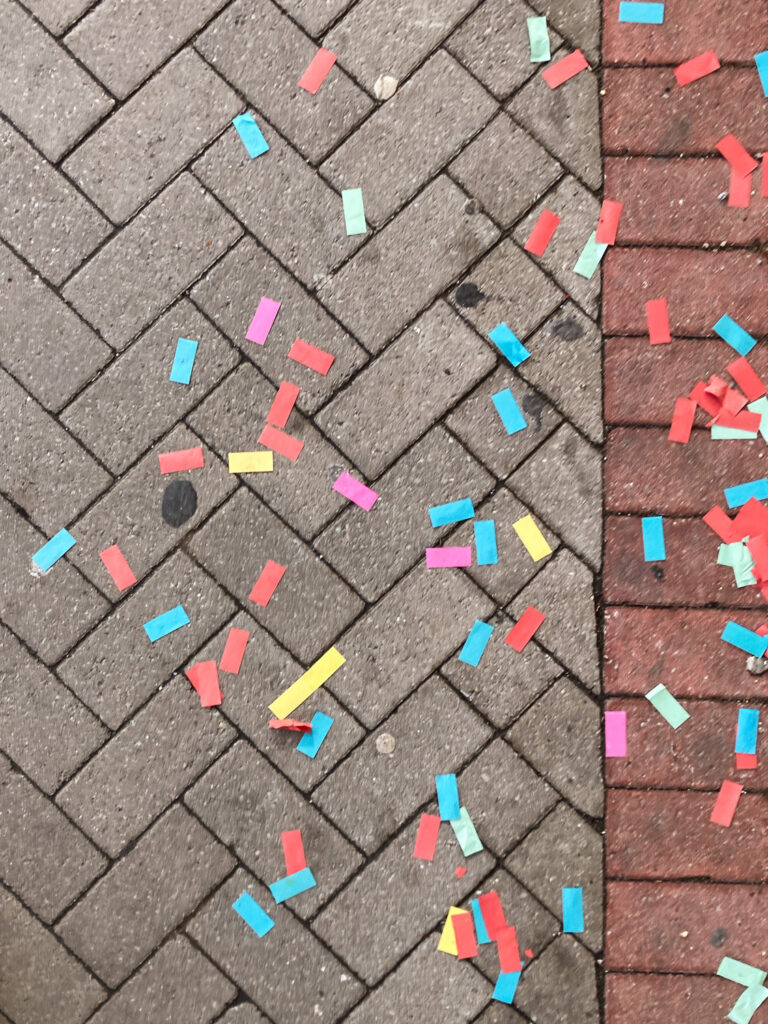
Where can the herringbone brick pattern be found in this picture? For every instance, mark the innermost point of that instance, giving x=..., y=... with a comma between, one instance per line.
x=130, y=818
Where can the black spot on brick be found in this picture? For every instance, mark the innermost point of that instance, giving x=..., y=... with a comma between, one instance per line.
x=179, y=502
x=468, y=294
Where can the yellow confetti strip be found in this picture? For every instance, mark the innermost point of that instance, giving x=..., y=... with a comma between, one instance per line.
x=314, y=677
x=533, y=538
x=447, y=943
x=250, y=462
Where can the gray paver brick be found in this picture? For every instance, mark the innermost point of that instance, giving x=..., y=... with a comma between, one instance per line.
x=41, y=983
x=135, y=390
x=560, y=736
x=26, y=600
x=564, y=592
x=122, y=43
x=42, y=90
x=43, y=856
x=499, y=1013
x=283, y=202
x=412, y=136
x=493, y=44
x=374, y=552
x=130, y=513
x=242, y=779
x=505, y=169
x=43, y=216
x=287, y=972
x=301, y=492
x=145, y=766
x=574, y=999
x=45, y=471
x=116, y=667
x=230, y=293
x=414, y=258
x=503, y=796
x=579, y=20
x=245, y=1013
x=145, y=895
x=43, y=727
x=563, y=482
x=376, y=40
x=43, y=343
x=264, y=55
x=426, y=986
x=57, y=15
x=163, y=250
x=565, y=364
x=314, y=15
x=564, y=850
x=505, y=683
x=556, y=117
x=372, y=793
x=133, y=154
x=403, y=638
x=404, y=899
x=428, y=368
x=479, y=426
x=177, y=984
x=311, y=604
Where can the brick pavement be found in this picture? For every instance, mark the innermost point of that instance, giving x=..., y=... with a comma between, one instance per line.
x=130, y=817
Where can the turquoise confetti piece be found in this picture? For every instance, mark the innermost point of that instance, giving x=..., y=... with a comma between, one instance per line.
x=55, y=548
x=448, y=797
x=483, y=937
x=746, y=731
x=166, y=623
x=641, y=13
x=761, y=60
x=253, y=915
x=485, y=542
x=476, y=642
x=506, y=986
x=310, y=742
x=292, y=885
x=538, y=37
x=654, y=548
x=741, y=493
x=509, y=411
x=509, y=344
x=451, y=512
x=573, y=910
x=734, y=335
x=590, y=257
x=354, y=212
x=183, y=361
x=251, y=136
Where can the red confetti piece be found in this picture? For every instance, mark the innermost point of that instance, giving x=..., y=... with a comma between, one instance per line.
x=721, y=524
x=752, y=520
x=318, y=68
x=234, y=650
x=266, y=584
x=493, y=913
x=701, y=396
x=529, y=954
x=312, y=356
x=509, y=952
x=733, y=151
x=608, y=222
x=283, y=403
x=464, y=931
x=765, y=174
x=524, y=628
x=542, y=233
x=426, y=837
x=746, y=378
x=697, y=68
x=461, y=871
x=658, y=321
x=281, y=442
x=204, y=677
x=682, y=420
x=566, y=68
x=293, y=851
x=743, y=421
x=185, y=458
x=725, y=805
x=117, y=567
x=739, y=189
x=290, y=724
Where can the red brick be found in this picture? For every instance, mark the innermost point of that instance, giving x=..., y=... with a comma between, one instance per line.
x=699, y=286
x=689, y=29
x=689, y=576
x=677, y=202
x=645, y=922
x=662, y=998
x=667, y=834
x=680, y=648
x=645, y=472
x=698, y=755
x=642, y=381
x=646, y=112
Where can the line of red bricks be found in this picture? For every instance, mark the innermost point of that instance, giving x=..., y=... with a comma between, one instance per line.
x=681, y=892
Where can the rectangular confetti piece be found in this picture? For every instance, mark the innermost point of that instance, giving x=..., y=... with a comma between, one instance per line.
x=761, y=408
x=476, y=642
x=748, y=1002
x=317, y=674
x=493, y=914
x=447, y=943
x=726, y=802
x=166, y=623
x=658, y=321
x=746, y=379
x=183, y=361
x=508, y=950
x=524, y=628
x=740, y=973
x=426, y=837
x=356, y=491
x=251, y=462
x=448, y=797
x=485, y=542
x=533, y=539
x=293, y=851
x=654, y=548
x=250, y=135
x=292, y=885
x=117, y=567
x=697, y=67
x=234, y=650
x=178, y=461
x=510, y=346
x=736, y=155
x=682, y=421
x=262, y=321
x=509, y=411
x=615, y=733
x=466, y=834
x=741, y=493
x=480, y=930
x=505, y=987
x=608, y=222
x=354, y=211
x=310, y=743
x=635, y=13
x=464, y=932
x=573, y=910
x=449, y=558
x=565, y=69
x=668, y=706
x=542, y=233
x=538, y=37
x=283, y=403
x=746, y=731
x=722, y=525
x=250, y=911
x=734, y=335
x=739, y=190
x=590, y=257
x=315, y=358
x=451, y=512
x=204, y=676
x=266, y=585
x=318, y=68
x=284, y=444
x=53, y=550
x=761, y=62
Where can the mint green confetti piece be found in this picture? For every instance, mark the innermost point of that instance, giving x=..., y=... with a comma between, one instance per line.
x=469, y=841
x=721, y=433
x=354, y=213
x=747, y=1003
x=761, y=406
x=590, y=257
x=667, y=706
x=539, y=40
x=740, y=973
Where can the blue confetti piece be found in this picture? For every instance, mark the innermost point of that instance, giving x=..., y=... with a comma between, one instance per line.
x=309, y=743
x=509, y=344
x=448, y=797
x=250, y=911
x=485, y=542
x=51, y=552
x=506, y=986
x=250, y=133
x=746, y=733
x=734, y=335
x=641, y=13
x=745, y=639
x=654, y=549
x=166, y=623
x=476, y=642
x=482, y=932
x=284, y=888
x=509, y=411
x=573, y=910
x=451, y=512
x=761, y=59
x=183, y=361
x=741, y=494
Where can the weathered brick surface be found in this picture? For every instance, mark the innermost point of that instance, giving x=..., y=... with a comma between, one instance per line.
x=651, y=998
x=577, y=20
x=57, y=15
x=243, y=1013
x=314, y=15
x=145, y=896
x=172, y=241
x=575, y=998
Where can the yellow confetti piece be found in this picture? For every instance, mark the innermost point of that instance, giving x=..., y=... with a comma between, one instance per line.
x=534, y=540
x=250, y=462
x=447, y=943
x=305, y=685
